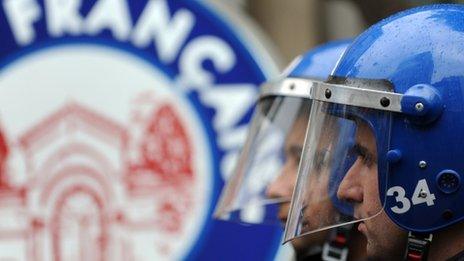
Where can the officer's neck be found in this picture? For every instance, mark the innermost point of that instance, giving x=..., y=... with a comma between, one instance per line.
x=447, y=243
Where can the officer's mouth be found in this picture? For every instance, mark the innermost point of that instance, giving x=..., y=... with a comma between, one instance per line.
x=283, y=220
x=362, y=228
x=283, y=213
x=361, y=224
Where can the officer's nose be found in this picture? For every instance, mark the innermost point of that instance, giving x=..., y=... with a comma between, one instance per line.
x=350, y=189
x=282, y=185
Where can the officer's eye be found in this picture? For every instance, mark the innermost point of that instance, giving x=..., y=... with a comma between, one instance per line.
x=367, y=158
x=320, y=160
x=293, y=153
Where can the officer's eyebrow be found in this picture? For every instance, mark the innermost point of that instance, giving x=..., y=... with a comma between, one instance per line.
x=360, y=149
x=294, y=151
x=364, y=152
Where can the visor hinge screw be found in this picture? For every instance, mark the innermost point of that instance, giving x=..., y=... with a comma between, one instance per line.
x=328, y=93
x=419, y=106
x=422, y=164
x=422, y=194
x=385, y=102
x=292, y=86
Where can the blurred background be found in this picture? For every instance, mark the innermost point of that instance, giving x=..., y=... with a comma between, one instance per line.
x=120, y=121
x=295, y=26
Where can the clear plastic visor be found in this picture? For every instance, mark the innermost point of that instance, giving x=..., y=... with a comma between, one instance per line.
x=260, y=189
x=339, y=168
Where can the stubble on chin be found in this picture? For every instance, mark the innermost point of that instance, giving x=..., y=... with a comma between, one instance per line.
x=385, y=240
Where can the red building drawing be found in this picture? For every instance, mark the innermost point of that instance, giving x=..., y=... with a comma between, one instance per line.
x=84, y=199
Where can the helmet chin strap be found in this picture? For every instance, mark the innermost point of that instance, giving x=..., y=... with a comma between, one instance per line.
x=418, y=246
x=336, y=249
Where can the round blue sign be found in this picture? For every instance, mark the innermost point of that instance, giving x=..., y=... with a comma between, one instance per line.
x=119, y=122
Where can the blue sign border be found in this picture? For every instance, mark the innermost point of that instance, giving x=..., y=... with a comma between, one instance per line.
x=214, y=232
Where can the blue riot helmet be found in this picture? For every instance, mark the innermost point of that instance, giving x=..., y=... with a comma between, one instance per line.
x=401, y=84
x=261, y=186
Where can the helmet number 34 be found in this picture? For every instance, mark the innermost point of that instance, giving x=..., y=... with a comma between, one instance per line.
x=421, y=195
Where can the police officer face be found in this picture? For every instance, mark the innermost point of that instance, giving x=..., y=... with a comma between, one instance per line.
x=319, y=210
x=282, y=186
x=384, y=239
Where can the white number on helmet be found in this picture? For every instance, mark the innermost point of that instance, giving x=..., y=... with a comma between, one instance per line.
x=400, y=197
x=422, y=194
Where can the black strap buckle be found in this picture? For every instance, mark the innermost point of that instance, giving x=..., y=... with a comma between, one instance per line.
x=334, y=253
x=337, y=248
x=418, y=246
